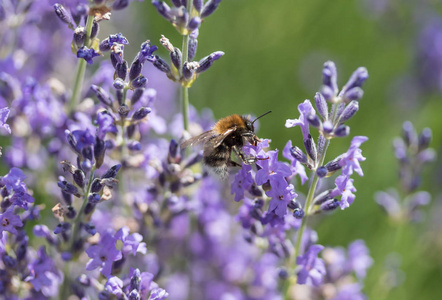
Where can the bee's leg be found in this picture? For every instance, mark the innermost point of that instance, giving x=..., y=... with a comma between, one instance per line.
x=248, y=160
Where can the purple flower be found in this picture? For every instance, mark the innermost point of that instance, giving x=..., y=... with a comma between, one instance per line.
x=14, y=180
x=281, y=193
x=43, y=274
x=312, y=268
x=8, y=220
x=105, y=124
x=350, y=160
x=146, y=284
x=158, y=294
x=359, y=259
x=114, y=285
x=243, y=180
x=131, y=243
x=146, y=52
x=87, y=54
x=83, y=139
x=258, y=150
x=271, y=170
x=344, y=188
x=296, y=167
x=103, y=254
x=4, y=113
x=118, y=38
x=305, y=109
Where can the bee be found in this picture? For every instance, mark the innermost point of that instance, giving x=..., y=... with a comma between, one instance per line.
x=229, y=133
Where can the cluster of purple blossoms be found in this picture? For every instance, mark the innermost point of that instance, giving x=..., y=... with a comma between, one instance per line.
x=268, y=192
x=413, y=153
x=338, y=275
x=20, y=263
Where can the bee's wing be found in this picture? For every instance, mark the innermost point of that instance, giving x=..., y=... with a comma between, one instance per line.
x=199, y=139
x=220, y=138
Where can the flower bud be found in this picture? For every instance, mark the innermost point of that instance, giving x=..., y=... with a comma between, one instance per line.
x=99, y=151
x=79, y=178
x=424, y=139
x=63, y=14
x=342, y=131
x=298, y=213
x=95, y=29
x=298, y=155
x=329, y=205
x=121, y=70
x=321, y=106
x=349, y=111
x=329, y=81
x=161, y=64
x=79, y=36
x=321, y=172
x=141, y=113
x=163, y=9
x=120, y=4
x=112, y=172
x=327, y=126
x=139, y=82
x=135, y=69
x=207, y=61
x=102, y=96
x=193, y=45
x=310, y=147
x=194, y=23
x=209, y=8
x=96, y=185
x=175, y=57
x=136, y=96
x=313, y=120
x=68, y=188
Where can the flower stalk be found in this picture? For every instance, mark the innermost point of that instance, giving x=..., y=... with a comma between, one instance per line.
x=81, y=70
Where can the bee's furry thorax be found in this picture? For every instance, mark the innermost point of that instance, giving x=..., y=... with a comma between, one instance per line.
x=228, y=122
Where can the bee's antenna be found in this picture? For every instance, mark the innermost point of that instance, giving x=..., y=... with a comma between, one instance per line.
x=261, y=116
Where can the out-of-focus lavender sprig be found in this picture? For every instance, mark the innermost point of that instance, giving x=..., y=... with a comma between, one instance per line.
x=412, y=152
x=25, y=273
x=338, y=274
x=186, y=16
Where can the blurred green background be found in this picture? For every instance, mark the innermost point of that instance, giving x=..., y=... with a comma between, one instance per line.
x=275, y=50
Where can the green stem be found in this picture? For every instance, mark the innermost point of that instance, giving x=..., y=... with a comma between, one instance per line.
x=81, y=70
x=185, y=89
x=77, y=221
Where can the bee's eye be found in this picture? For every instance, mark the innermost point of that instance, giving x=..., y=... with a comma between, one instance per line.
x=250, y=126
